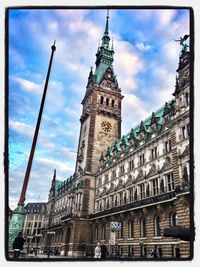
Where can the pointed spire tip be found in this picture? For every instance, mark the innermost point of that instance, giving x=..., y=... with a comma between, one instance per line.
x=54, y=46
x=107, y=13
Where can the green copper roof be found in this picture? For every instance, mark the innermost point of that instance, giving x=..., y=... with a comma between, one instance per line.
x=56, y=186
x=134, y=133
x=69, y=185
x=104, y=55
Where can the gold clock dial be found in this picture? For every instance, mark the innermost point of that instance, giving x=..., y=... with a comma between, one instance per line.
x=106, y=126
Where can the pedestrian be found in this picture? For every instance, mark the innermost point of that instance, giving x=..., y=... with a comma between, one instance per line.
x=104, y=251
x=18, y=245
x=97, y=251
x=154, y=254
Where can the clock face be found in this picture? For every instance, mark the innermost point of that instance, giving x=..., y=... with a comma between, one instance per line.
x=106, y=126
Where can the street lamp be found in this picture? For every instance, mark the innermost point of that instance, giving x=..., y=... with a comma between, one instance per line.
x=28, y=239
x=50, y=233
x=38, y=236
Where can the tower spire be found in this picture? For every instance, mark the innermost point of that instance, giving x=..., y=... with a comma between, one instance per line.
x=104, y=55
x=107, y=24
x=106, y=38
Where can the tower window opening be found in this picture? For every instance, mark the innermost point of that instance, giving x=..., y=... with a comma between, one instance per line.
x=101, y=100
x=107, y=101
x=113, y=103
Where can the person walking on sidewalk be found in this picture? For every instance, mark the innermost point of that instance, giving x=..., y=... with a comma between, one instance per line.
x=97, y=251
x=104, y=251
x=18, y=245
x=154, y=254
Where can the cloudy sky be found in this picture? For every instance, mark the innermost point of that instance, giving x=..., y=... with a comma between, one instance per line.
x=146, y=59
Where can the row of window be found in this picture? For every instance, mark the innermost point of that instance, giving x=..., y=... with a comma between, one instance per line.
x=141, y=161
x=36, y=224
x=33, y=233
x=144, y=190
x=143, y=227
x=72, y=202
x=107, y=101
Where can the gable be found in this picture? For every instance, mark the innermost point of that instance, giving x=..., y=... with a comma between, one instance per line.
x=166, y=166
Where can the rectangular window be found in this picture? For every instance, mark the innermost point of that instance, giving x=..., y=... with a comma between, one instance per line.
x=168, y=146
x=114, y=174
x=122, y=170
x=154, y=153
x=131, y=165
x=106, y=178
x=170, y=182
x=121, y=197
x=112, y=201
x=142, y=160
x=184, y=134
x=155, y=186
x=130, y=194
x=142, y=191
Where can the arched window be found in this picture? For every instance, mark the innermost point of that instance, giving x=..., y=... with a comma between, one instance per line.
x=131, y=228
x=174, y=219
x=157, y=229
x=113, y=103
x=143, y=227
x=101, y=100
x=107, y=101
x=96, y=232
x=103, y=232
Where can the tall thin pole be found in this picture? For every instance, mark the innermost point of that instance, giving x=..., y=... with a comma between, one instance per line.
x=28, y=169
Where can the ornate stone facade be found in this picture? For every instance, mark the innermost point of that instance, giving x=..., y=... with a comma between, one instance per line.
x=141, y=179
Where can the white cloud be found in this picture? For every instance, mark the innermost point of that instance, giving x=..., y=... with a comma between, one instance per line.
x=143, y=47
x=133, y=111
x=53, y=164
x=16, y=58
x=127, y=65
x=73, y=113
x=27, y=85
x=165, y=16
x=55, y=99
x=21, y=127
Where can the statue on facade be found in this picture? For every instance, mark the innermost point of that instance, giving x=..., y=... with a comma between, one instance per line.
x=182, y=42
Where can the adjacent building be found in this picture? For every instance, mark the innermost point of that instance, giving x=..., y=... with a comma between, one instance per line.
x=33, y=223
x=141, y=179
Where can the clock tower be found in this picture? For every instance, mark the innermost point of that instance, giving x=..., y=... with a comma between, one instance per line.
x=101, y=114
